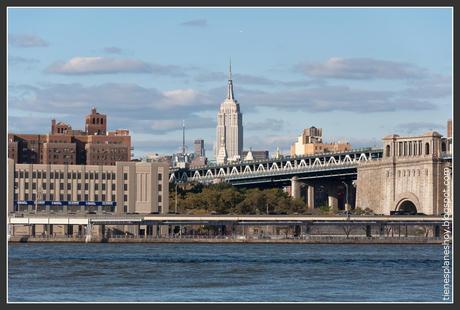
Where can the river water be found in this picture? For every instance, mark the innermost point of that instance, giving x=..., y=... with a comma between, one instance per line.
x=224, y=272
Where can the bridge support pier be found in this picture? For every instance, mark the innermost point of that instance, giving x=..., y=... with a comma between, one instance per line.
x=310, y=197
x=295, y=187
x=332, y=201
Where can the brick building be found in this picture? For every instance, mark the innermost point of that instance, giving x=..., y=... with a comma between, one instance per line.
x=63, y=145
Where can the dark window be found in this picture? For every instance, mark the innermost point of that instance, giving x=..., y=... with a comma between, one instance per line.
x=52, y=175
x=103, y=197
x=21, y=174
x=159, y=198
x=86, y=197
x=113, y=197
x=69, y=175
x=125, y=187
x=33, y=197
x=103, y=186
x=427, y=149
x=15, y=174
x=39, y=174
x=78, y=186
x=387, y=151
x=51, y=197
x=160, y=176
x=34, y=174
x=69, y=186
x=44, y=185
x=96, y=175
x=125, y=176
x=125, y=209
x=91, y=175
x=86, y=186
x=51, y=185
x=113, y=186
x=34, y=185
x=61, y=186
x=79, y=175
x=74, y=175
x=125, y=197
x=96, y=197
x=62, y=173
x=159, y=187
x=113, y=175
x=96, y=186
x=26, y=174
x=86, y=175
x=103, y=175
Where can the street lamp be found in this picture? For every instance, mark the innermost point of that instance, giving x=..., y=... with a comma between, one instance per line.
x=346, y=195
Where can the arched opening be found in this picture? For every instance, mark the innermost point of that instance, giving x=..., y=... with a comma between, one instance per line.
x=427, y=148
x=408, y=206
x=443, y=146
x=387, y=151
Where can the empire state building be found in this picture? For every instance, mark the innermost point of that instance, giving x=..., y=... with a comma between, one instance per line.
x=229, y=132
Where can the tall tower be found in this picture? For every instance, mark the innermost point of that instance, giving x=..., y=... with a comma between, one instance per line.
x=229, y=132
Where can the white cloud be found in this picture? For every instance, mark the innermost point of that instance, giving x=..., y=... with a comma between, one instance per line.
x=106, y=65
x=362, y=68
x=26, y=40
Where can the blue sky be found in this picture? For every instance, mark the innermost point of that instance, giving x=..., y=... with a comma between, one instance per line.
x=360, y=74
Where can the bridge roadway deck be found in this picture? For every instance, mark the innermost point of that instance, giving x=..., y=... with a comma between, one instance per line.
x=221, y=219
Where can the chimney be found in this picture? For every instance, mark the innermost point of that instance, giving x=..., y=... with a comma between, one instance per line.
x=53, y=126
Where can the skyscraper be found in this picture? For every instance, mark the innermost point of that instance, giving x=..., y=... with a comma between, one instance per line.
x=229, y=133
x=199, y=147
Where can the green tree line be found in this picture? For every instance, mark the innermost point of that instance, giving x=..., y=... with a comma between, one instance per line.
x=226, y=199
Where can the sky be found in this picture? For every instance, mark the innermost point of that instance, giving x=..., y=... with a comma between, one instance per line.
x=358, y=73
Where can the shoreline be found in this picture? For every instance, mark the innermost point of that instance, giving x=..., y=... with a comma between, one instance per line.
x=314, y=240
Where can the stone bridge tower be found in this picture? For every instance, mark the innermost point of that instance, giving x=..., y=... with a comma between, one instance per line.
x=413, y=175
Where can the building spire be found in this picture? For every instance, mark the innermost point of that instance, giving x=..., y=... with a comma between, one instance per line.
x=183, y=137
x=230, y=83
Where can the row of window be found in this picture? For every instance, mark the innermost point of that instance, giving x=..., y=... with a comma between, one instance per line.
x=408, y=173
x=60, y=175
x=69, y=186
x=67, y=197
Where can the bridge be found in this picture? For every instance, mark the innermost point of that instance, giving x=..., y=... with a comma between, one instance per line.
x=324, y=165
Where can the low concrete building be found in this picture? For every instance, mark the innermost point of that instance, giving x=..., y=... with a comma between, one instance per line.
x=413, y=175
x=126, y=187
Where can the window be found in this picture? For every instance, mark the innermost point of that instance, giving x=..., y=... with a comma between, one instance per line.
x=96, y=176
x=74, y=175
x=39, y=174
x=113, y=186
x=160, y=176
x=125, y=209
x=79, y=175
x=113, y=197
x=103, y=175
x=125, y=176
x=103, y=197
x=52, y=175
x=51, y=197
x=79, y=197
x=34, y=197
x=21, y=174
x=26, y=174
x=86, y=197
x=103, y=186
x=51, y=185
x=86, y=175
x=91, y=175
x=427, y=148
x=34, y=174
x=387, y=153
x=96, y=186
x=69, y=186
x=62, y=173
x=61, y=186
x=69, y=175
x=159, y=198
x=125, y=197
x=125, y=187
x=86, y=186
x=159, y=187
x=44, y=185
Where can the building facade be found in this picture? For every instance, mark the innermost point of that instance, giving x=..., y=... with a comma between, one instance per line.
x=229, y=132
x=63, y=145
x=311, y=142
x=125, y=187
x=256, y=155
x=413, y=175
x=199, y=148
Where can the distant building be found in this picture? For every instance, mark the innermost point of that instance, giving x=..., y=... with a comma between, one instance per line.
x=229, y=132
x=255, y=155
x=449, y=128
x=311, y=142
x=199, y=148
x=63, y=145
x=199, y=161
x=125, y=187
